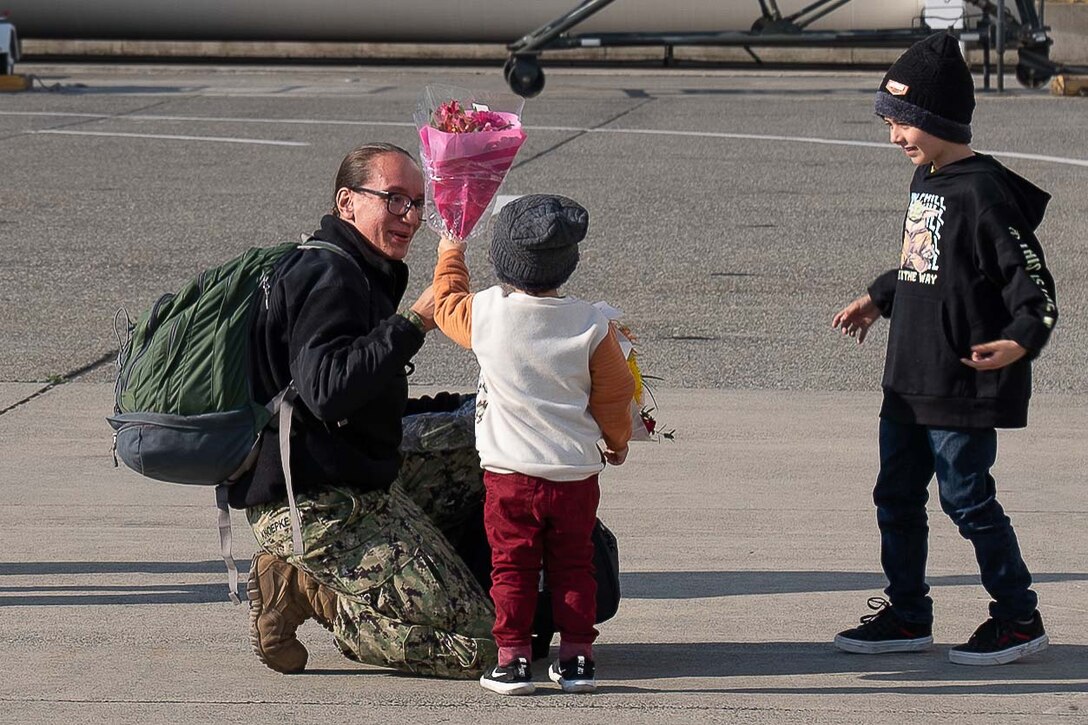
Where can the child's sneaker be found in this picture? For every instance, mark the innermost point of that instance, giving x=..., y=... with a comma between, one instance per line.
x=515, y=678
x=883, y=632
x=998, y=642
x=574, y=675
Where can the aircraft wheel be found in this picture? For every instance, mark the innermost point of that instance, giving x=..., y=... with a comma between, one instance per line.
x=1033, y=70
x=524, y=76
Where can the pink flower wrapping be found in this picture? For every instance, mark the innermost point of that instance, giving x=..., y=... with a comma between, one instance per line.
x=465, y=171
x=467, y=149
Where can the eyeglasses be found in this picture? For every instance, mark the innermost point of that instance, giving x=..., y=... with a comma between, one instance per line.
x=398, y=204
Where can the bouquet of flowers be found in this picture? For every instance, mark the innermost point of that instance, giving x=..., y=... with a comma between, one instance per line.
x=644, y=426
x=467, y=143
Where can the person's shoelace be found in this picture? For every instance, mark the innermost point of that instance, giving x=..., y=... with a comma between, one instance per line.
x=880, y=605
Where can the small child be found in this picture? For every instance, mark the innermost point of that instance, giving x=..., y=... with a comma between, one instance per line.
x=971, y=304
x=553, y=382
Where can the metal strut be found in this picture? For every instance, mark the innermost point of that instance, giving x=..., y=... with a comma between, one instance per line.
x=997, y=28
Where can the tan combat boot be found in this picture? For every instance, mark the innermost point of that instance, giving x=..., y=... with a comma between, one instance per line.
x=278, y=604
x=322, y=600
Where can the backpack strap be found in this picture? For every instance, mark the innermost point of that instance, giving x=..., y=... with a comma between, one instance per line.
x=278, y=404
x=282, y=406
x=225, y=541
x=310, y=242
x=287, y=410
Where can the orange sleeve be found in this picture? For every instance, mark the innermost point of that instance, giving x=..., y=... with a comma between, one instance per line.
x=452, y=300
x=611, y=389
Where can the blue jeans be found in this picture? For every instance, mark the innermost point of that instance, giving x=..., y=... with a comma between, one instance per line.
x=961, y=458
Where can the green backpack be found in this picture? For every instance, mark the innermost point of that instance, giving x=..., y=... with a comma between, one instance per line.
x=184, y=409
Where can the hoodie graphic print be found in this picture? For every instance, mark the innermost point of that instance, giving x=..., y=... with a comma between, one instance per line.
x=970, y=271
x=921, y=238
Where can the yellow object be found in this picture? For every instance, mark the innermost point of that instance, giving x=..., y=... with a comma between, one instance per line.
x=1067, y=85
x=637, y=375
x=12, y=83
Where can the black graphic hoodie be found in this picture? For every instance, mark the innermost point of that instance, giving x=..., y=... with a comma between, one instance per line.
x=970, y=271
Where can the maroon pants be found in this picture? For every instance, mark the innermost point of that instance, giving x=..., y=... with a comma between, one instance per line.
x=530, y=521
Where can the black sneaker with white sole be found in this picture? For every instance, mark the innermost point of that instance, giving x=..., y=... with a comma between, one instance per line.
x=576, y=674
x=884, y=631
x=1000, y=641
x=515, y=678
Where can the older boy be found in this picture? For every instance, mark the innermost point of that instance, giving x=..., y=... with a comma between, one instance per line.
x=971, y=304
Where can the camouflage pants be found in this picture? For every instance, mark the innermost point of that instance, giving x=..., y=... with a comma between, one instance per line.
x=447, y=484
x=406, y=600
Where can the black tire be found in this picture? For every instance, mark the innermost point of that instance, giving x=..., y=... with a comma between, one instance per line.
x=1034, y=69
x=525, y=77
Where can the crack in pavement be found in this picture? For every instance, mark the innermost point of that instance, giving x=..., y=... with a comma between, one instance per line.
x=65, y=378
x=581, y=132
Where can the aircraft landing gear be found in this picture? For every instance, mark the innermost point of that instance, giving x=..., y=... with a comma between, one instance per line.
x=998, y=28
x=1034, y=69
x=524, y=75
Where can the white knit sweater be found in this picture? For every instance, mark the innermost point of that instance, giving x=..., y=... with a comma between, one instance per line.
x=532, y=410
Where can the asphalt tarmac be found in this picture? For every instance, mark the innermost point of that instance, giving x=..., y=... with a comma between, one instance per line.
x=732, y=213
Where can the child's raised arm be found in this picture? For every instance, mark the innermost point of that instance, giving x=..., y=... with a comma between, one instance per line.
x=452, y=300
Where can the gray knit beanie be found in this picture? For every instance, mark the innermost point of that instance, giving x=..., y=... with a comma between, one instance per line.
x=534, y=242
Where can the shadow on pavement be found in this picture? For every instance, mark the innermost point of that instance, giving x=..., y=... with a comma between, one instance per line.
x=36, y=596
x=634, y=585
x=43, y=568
x=128, y=589
x=704, y=584
x=1059, y=669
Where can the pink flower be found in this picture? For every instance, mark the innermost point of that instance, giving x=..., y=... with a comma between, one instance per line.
x=450, y=117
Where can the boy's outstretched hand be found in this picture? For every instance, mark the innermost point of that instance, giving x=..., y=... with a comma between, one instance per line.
x=857, y=317
x=994, y=355
x=615, y=458
x=448, y=242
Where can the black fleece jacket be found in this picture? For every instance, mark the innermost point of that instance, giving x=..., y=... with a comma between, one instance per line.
x=332, y=327
x=971, y=271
